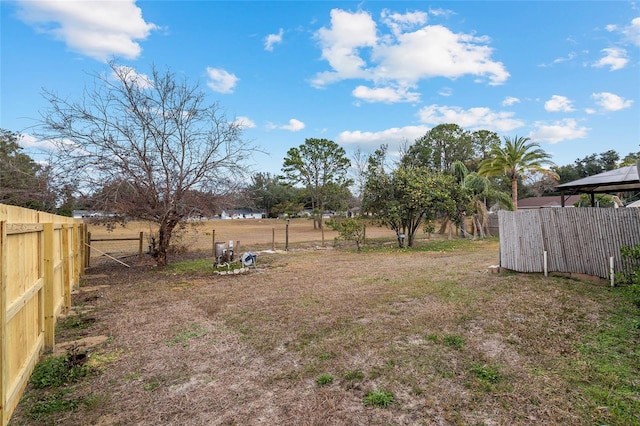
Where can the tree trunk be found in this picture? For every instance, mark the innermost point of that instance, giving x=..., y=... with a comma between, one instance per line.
x=514, y=193
x=164, y=240
x=443, y=225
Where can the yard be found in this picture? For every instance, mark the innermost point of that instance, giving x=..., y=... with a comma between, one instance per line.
x=327, y=336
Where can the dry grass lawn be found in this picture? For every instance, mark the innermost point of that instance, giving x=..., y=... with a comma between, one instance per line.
x=304, y=338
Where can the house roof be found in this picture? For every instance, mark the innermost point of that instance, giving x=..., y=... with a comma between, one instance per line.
x=545, y=202
x=618, y=180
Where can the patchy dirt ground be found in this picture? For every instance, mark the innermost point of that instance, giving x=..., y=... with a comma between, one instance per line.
x=453, y=343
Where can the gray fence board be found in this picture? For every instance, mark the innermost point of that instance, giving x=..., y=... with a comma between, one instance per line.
x=577, y=240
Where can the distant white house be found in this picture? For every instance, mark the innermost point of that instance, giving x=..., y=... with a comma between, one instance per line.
x=242, y=214
x=82, y=214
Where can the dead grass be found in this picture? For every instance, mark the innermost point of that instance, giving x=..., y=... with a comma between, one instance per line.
x=454, y=344
x=198, y=236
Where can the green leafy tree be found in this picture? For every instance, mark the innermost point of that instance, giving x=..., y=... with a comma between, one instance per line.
x=23, y=182
x=566, y=173
x=597, y=163
x=410, y=197
x=593, y=164
x=321, y=167
x=440, y=147
x=154, y=139
x=483, y=142
x=350, y=229
x=267, y=191
x=516, y=159
x=630, y=159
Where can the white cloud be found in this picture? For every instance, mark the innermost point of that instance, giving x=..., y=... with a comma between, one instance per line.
x=399, y=22
x=340, y=43
x=245, y=122
x=472, y=118
x=221, y=80
x=99, y=29
x=445, y=91
x=393, y=135
x=571, y=56
x=632, y=32
x=129, y=74
x=385, y=94
x=435, y=51
x=356, y=49
x=610, y=102
x=273, y=39
x=558, y=103
x=31, y=142
x=510, y=100
x=558, y=131
x=293, y=126
x=615, y=58
x=441, y=12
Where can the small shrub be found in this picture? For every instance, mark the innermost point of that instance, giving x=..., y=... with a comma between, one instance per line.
x=326, y=356
x=486, y=373
x=631, y=259
x=350, y=229
x=152, y=385
x=194, y=331
x=380, y=399
x=75, y=322
x=55, y=403
x=453, y=341
x=353, y=375
x=324, y=380
x=432, y=338
x=56, y=371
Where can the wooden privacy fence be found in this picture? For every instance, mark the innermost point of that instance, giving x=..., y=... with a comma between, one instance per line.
x=41, y=258
x=575, y=240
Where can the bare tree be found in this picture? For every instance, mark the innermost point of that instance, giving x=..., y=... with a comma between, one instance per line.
x=151, y=140
x=359, y=162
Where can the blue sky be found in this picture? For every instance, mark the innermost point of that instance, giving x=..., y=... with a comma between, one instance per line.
x=565, y=74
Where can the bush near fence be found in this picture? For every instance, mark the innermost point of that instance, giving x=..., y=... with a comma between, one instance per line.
x=41, y=258
x=576, y=240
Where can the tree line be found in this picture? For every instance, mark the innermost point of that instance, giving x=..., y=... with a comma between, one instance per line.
x=151, y=148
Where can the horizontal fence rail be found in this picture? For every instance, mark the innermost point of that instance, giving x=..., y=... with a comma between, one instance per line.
x=40, y=264
x=573, y=240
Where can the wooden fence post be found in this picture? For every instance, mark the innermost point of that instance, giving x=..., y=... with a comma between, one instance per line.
x=88, y=250
x=3, y=326
x=66, y=275
x=76, y=247
x=364, y=234
x=140, y=247
x=49, y=280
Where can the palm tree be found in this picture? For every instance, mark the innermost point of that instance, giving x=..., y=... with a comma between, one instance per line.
x=483, y=192
x=516, y=159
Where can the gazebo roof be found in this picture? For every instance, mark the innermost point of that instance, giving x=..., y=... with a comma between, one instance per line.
x=618, y=180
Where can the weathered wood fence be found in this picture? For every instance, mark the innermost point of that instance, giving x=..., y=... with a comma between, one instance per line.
x=41, y=258
x=575, y=240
